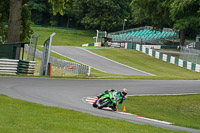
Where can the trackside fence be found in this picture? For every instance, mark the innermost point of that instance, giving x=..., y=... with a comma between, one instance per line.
x=190, y=54
x=65, y=65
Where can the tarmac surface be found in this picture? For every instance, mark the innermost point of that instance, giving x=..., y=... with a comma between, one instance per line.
x=69, y=93
x=98, y=62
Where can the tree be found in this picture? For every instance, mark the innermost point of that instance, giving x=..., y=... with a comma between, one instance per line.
x=103, y=15
x=39, y=10
x=26, y=22
x=4, y=6
x=15, y=16
x=186, y=15
x=42, y=13
x=179, y=14
x=14, y=21
x=151, y=12
x=58, y=6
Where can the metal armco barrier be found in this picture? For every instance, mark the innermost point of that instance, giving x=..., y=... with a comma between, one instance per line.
x=26, y=67
x=8, y=66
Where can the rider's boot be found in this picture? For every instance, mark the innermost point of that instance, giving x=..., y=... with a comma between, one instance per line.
x=114, y=107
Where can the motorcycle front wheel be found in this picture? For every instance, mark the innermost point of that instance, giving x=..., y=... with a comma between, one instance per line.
x=95, y=104
x=102, y=103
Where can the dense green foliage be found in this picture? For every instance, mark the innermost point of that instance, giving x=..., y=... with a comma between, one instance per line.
x=3, y=33
x=185, y=14
x=4, y=6
x=186, y=17
x=110, y=14
x=3, y=18
x=21, y=116
x=58, y=6
x=103, y=15
x=151, y=12
x=43, y=14
x=39, y=11
x=160, y=13
x=26, y=29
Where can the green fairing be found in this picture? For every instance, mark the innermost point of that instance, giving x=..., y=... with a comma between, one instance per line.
x=113, y=97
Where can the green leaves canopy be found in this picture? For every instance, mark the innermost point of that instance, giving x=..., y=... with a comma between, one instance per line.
x=26, y=22
x=151, y=12
x=40, y=6
x=182, y=14
x=4, y=9
x=58, y=6
x=104, y=14
x=185, y=14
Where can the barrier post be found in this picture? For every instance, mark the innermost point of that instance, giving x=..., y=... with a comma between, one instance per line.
x=49, y=69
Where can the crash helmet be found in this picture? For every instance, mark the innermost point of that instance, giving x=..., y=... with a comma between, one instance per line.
x=124, y=92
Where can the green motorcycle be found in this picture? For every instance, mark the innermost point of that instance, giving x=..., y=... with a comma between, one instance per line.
x=107, y=100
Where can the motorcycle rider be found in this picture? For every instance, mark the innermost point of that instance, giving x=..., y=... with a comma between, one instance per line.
x=121, y=95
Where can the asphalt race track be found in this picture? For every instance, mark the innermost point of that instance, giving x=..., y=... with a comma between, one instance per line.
x=101, y=63
x=69, y=93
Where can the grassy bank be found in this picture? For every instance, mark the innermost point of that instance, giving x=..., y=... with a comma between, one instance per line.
x=183, y=110
x=138, y=60
x=21, y=116
x=65, y=37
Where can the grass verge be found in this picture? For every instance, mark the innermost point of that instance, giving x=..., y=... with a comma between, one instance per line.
x=65, y=37
x=21, y=116
x=138, y=60
x=182, y=110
